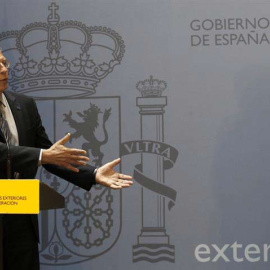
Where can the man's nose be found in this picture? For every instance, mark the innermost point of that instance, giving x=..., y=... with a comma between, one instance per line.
x=3, y=69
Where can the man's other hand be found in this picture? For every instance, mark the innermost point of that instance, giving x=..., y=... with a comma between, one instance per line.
x=107, y=177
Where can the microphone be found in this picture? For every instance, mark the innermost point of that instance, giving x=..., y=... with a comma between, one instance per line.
x=8, y=161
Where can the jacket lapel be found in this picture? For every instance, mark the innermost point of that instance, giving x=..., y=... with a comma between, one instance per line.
x=2, y=138
x=17, y=114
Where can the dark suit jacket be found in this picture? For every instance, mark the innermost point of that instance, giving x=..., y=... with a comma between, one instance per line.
x=32, y=138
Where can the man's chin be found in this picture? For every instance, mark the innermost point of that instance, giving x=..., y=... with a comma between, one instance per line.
x=3, y=86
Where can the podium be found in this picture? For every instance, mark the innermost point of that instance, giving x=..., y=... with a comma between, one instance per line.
x=49, y=198
x=25, y=197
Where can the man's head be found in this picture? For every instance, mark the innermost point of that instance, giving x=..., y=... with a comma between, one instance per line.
x=3, y=73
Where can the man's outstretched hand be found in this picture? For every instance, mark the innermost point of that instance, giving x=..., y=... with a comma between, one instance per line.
x=59, y=154
x=107, y=177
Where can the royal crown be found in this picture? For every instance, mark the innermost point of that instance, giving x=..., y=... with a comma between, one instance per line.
x=151, y=87
x=64, y=58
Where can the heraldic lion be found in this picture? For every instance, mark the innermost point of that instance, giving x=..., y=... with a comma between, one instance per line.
x=87, y=128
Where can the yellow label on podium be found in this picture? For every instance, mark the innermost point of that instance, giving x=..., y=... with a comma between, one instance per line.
x=19, y=196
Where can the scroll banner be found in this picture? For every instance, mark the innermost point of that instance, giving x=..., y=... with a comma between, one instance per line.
x=157, y=148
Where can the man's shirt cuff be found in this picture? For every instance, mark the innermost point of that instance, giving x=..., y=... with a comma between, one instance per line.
x=40, y=157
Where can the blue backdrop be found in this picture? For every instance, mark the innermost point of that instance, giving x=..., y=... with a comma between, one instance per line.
x=180, y=91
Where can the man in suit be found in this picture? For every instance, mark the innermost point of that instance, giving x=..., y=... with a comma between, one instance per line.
x=29, y=147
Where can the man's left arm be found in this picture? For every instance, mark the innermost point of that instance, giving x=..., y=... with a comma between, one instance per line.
x=85, y=176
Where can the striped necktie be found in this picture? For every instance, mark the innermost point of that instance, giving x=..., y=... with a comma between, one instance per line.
x=4, y=125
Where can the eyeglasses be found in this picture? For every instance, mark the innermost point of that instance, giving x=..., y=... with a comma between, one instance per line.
x=5, y=64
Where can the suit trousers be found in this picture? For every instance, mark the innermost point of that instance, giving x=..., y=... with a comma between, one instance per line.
x=20, y=244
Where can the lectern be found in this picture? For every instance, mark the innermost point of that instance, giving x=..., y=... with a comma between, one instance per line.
x=25, y=197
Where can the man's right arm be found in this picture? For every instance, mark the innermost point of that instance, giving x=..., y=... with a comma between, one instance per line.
x=22, y=157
